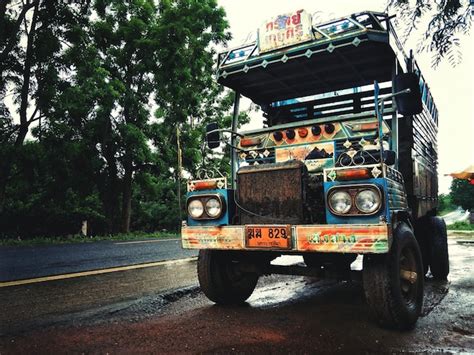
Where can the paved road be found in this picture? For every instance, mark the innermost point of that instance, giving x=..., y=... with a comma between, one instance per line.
x=148, y=311
x=18, y=263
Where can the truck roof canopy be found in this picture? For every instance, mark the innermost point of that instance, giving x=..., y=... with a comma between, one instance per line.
x=348, y=52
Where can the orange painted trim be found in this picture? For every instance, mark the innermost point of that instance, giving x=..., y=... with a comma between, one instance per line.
x=343, y=238
x=360, y=239
x=213, y=237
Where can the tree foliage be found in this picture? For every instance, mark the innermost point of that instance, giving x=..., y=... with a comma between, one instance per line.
x=445, y=21
x=110, y=81
x=32, y=35
x=462, y=193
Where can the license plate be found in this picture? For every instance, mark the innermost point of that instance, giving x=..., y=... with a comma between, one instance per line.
x=268, y=237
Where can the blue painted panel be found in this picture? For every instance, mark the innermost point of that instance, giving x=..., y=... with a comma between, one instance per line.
x=373, y=219
x=226, y=218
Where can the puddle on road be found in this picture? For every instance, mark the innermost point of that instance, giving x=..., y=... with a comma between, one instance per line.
x=287, y=289
x=292, y=288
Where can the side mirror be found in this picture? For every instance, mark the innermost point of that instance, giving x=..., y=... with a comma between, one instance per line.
x=410, y=103
x=389, y=157
x=213, y=138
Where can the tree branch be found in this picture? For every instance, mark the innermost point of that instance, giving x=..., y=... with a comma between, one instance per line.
x=25, y=88
x=17, y=127
x=11, y=41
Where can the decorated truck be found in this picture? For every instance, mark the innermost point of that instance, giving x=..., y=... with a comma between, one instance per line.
x=345, y=165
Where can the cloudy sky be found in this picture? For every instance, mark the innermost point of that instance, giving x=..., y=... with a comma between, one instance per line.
x=452, y=88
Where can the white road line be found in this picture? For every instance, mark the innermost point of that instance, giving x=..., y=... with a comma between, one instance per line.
x=148, y=241
x=94, y=272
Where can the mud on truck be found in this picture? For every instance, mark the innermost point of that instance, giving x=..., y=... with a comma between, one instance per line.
x=345, y=165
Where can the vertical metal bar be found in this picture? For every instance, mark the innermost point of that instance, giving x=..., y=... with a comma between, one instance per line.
x=395, y=116
x=179, y=174
x=379, y=114
x=233, y=155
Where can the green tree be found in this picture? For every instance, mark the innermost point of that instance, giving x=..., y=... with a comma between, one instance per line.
x=446, y=21
x=445, y=204
x=462, y=194
x=52, y=193
x=94, y=74
x=134, y=56
x=33, y=35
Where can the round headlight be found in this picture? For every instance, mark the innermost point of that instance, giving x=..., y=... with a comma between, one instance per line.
x=340, y=202
x=195, y=208
x=367, y=201
x=213, y=207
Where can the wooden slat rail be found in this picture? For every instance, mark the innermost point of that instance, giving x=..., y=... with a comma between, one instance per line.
x=325, y=107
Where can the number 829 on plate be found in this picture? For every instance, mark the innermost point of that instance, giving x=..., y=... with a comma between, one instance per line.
x=271, y=237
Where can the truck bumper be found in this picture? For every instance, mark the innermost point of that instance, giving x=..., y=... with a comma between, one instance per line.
x=335, y=238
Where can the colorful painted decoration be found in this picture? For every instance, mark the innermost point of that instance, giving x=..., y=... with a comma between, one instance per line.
x=316, y=156
x=285, y=30
x=343, y=238
x=376, y=172
x=207, y=184
x=213, y=237
x=318, y=238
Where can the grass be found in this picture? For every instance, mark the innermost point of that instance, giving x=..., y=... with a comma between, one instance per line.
x=81, y=239
x=461, y=226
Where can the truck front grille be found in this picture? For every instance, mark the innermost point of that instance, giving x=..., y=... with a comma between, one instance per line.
x=271, y=193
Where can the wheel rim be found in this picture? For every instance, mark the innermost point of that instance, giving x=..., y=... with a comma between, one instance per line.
x=408, y=276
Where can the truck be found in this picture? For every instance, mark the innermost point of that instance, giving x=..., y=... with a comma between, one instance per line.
x=344, y=166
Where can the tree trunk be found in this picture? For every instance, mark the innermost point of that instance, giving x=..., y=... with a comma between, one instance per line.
x=24, y=98
x=4, y=173
x=127, y=196
x=110, y=188
x=111, y=197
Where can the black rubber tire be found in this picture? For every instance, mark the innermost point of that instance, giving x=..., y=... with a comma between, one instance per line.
x=385, y=291
x=219, y=279
x=439, y=258
x=422, y=235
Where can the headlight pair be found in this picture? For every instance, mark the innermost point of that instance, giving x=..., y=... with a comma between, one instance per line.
x=354, y=200
x=205, y=206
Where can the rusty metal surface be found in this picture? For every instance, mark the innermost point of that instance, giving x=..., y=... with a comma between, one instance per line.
x=271, y=193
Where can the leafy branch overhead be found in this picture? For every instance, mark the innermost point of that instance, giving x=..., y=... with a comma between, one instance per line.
x=442, y=23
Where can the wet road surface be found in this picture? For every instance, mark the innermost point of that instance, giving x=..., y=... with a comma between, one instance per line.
x=160, y=309
x=22, y=262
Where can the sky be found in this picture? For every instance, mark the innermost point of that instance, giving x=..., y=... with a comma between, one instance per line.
x=452, y=88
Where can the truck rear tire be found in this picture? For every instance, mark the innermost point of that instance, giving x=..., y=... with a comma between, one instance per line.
x=393, y=282
x=424, y=242
x=439, y=260
x=220, y=279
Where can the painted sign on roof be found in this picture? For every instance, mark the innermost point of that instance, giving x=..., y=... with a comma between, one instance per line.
x=285, y=30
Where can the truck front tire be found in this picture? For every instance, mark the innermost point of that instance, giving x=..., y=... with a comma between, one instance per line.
x=221, y=281
x=393, y=282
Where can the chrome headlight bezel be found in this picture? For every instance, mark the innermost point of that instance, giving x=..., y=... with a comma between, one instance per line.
x=353, y=191
x=208, y=208
x=377, y=199
x=204, y=199
x=194, y=201
x=331, y=204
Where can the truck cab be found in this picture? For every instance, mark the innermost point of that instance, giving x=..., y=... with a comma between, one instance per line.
x=344, y=165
